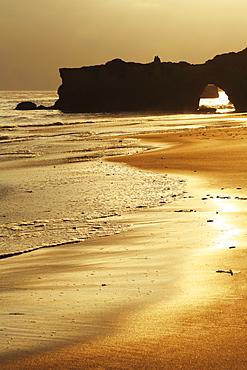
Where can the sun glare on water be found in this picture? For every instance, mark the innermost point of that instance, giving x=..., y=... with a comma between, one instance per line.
x=223, y=223
x=221, y=100
x=222, y=104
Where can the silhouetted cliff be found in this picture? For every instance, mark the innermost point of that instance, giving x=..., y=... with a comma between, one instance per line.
x=120, y=86
x=229, y=72
x=156, y=86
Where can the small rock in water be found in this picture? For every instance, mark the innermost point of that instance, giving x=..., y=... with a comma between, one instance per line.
x=26, y=105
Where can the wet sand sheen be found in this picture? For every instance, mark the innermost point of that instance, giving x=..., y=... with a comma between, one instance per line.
x=154, y=299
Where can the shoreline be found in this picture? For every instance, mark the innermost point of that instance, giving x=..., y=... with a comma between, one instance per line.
x=174, y=251
x=46, y=207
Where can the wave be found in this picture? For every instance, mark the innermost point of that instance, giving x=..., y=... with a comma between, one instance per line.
x=13, y=254
x=90, y=198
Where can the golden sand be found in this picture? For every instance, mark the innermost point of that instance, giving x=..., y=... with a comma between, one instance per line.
x=159, y=296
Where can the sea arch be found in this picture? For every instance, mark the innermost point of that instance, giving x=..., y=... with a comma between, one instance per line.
x=216, y=99
x=156, y=86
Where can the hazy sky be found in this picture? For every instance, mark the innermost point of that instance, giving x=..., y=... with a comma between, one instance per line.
x=37, y=37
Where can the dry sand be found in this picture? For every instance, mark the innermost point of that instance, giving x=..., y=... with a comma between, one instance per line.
x=148, y=298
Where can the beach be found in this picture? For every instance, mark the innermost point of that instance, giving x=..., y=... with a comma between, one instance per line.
x=167, y=292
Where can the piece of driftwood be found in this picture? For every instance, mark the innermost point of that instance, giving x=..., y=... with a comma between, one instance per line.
x=226, y=271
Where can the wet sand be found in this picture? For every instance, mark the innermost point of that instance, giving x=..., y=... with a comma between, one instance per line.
x=44, y=206
x=157, y=296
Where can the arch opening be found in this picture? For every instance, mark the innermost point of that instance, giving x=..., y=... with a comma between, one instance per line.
x=215, y=100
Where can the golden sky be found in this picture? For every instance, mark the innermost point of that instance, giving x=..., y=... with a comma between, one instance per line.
x=37, y=37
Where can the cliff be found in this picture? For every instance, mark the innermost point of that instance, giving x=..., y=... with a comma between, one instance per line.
x=157, y=86
x=120, y=86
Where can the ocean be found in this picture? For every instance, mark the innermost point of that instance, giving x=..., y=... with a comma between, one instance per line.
x=56, y=188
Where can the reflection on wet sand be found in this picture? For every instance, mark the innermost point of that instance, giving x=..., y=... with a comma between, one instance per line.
x=223, y=222
x=149, y=298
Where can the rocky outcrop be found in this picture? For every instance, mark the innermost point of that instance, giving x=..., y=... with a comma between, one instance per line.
x=26, y=105
x=120, y=86
x=229, y=72
x=162, y=87
x=157, y=86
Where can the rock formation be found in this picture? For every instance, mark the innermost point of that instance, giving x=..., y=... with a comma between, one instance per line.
x=210, y=92
x=157, y=86
x=26, y=105
x=120, y=86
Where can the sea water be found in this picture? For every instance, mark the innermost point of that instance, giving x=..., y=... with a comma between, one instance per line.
x=56, y=188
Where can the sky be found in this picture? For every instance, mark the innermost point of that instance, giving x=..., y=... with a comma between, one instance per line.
x=37, y=37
